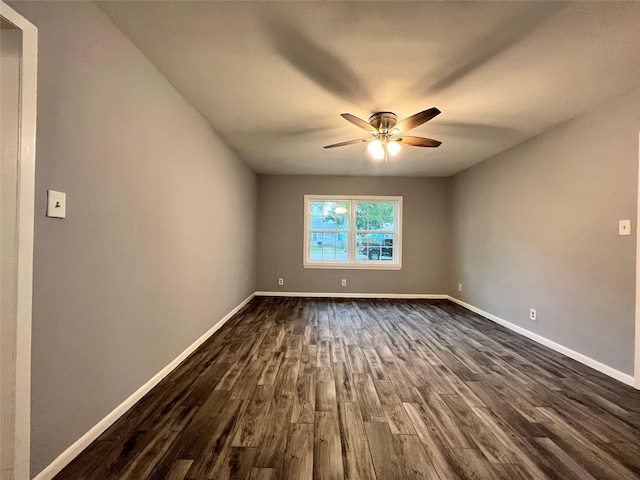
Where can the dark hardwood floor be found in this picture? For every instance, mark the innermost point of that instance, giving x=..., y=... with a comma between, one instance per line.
x=303, y=388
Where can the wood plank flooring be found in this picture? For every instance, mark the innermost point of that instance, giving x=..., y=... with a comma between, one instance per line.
x=300, y=388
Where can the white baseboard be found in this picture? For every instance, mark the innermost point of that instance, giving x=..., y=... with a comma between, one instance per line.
x=601, y=367
x=429, y=296
x=83, y=442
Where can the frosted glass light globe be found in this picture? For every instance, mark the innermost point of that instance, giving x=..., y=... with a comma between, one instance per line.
x=393, y=148
x=376, y=149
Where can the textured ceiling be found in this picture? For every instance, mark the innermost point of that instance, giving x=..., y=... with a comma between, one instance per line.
x=273, y=77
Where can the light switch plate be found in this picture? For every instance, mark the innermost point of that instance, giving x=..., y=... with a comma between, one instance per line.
x=624, y=227
x=56, y=204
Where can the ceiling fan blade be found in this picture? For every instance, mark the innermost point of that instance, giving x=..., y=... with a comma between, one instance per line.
x=358, y=122
x=418, y=119
x=349, y=142
x=417, y=141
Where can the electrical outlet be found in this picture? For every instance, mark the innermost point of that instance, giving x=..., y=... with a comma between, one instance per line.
x=281, y=281
x=459, y=287
x=344, y=282
x=532, y=315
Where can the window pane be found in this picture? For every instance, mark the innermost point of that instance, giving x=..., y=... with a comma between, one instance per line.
x=341, y=222
x=315, y=248
x=328, y=223
x=333, y=215
x=328, y=253
x=316, y=223
x=316, y=208
x=329, y=240
x=381, y=224
x=329, y=247
x=342, y=246
x=362, y=246
x=375, y=216
x=328, y=208
x=361, y=216
x=374, y=247
x=342, y=208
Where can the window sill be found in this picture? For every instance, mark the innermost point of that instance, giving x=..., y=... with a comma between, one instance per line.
x=355, y=266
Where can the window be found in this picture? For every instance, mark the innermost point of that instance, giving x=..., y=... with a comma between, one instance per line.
x=352, y=232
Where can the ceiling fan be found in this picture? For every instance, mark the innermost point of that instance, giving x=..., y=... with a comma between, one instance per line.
x=385, y=132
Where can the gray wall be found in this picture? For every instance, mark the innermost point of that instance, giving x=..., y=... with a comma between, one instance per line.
x=426, y=235
x=159, y=240
x=537, y=227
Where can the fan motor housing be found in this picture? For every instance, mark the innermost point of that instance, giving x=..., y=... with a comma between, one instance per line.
x=383, y=121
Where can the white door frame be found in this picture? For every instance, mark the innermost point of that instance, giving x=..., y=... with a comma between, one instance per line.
x=25, y=212
x=637, y=344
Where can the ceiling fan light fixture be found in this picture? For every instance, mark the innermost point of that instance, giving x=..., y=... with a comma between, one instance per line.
x=377, y=149
x=393, y=148
x=374, y=145
x=382, y=126
x=378, y=154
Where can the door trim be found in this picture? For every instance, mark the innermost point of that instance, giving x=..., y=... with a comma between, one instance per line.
x=25, y=215
x=636, y=372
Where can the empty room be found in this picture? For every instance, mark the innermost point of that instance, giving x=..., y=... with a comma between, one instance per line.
x=320, y=240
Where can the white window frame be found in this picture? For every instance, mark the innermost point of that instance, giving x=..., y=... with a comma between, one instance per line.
x=353, y=263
